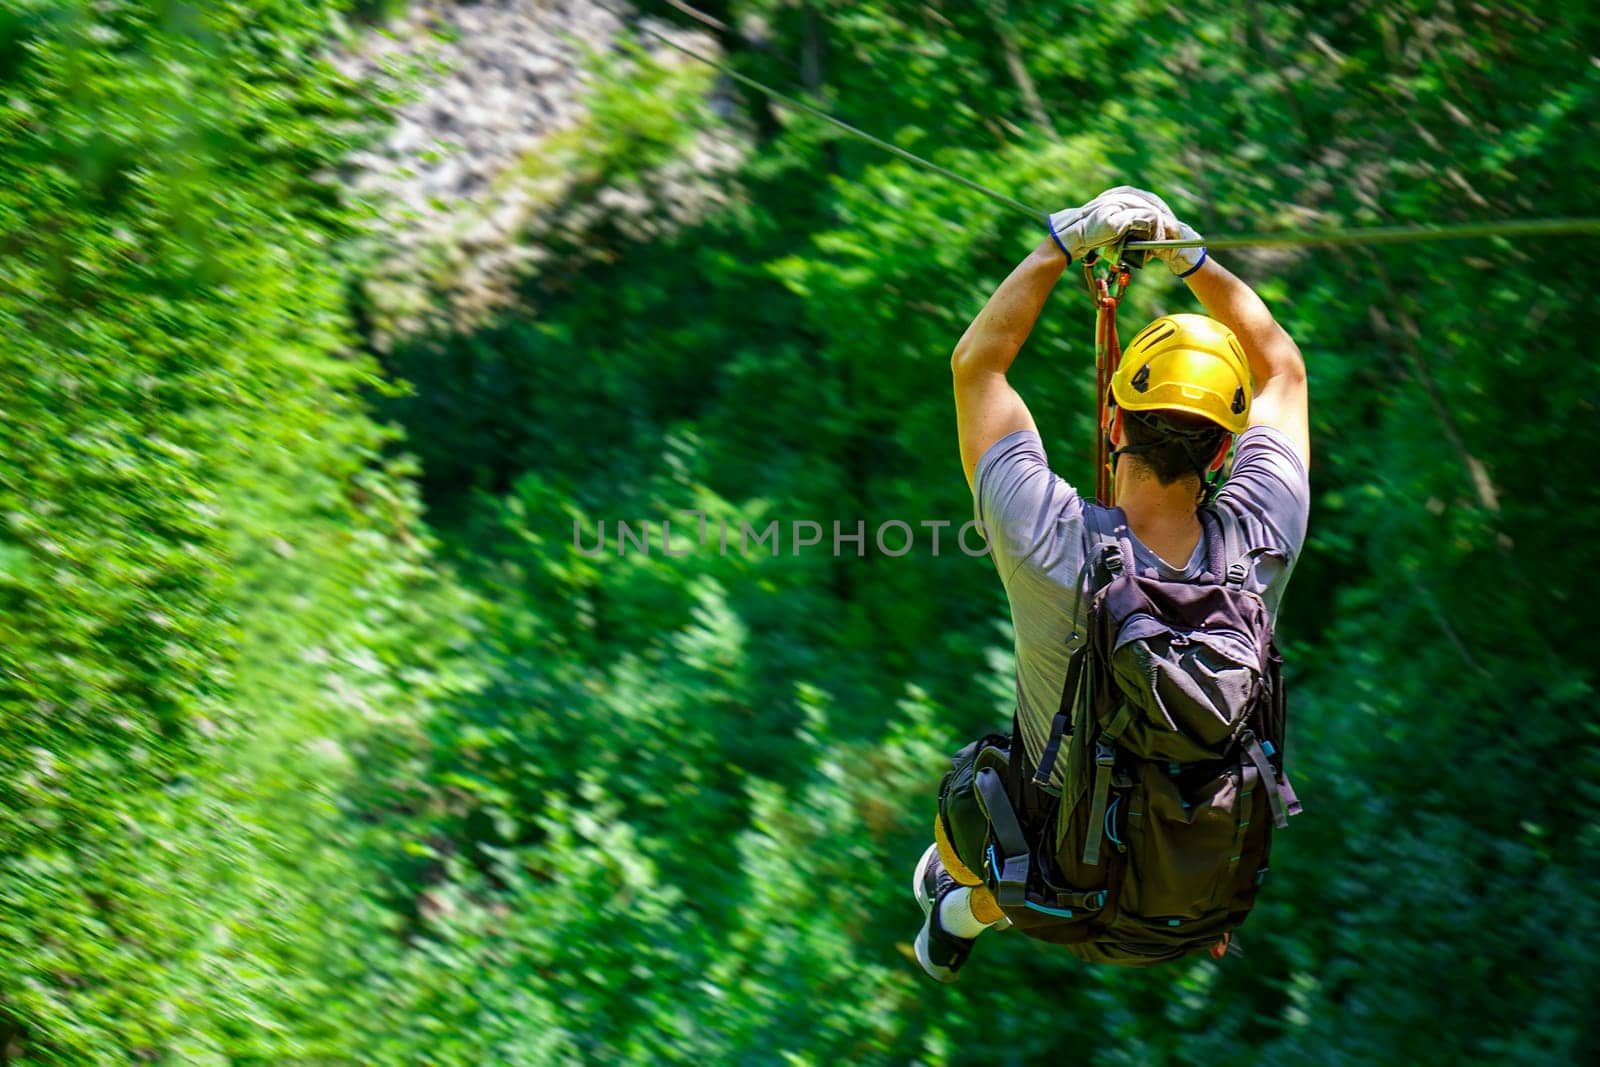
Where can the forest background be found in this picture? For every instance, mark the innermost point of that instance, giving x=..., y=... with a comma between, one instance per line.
x=324, y=741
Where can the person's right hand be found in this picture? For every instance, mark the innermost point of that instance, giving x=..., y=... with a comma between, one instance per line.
x=1110, y=217
x=1182, y=261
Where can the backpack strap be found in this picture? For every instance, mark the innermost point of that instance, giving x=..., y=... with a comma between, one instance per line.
x=1105, y=754
x=1010, y=869
x=1105, y=555
x=1227, y=556
x=1280, y=794
x=1061, y=725
x=1102, y=540
x=1231, y=561
x=1104, y=757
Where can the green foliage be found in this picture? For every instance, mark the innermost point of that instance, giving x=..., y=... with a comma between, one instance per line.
x=215, y=585
x=641, y=110
x=283, y=781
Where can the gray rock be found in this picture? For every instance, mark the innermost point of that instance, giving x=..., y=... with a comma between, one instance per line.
x=469, y=172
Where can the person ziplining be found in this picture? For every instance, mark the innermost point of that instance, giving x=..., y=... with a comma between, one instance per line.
x=1128, y=816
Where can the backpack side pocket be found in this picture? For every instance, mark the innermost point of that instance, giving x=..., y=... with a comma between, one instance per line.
x=965, y=825
x=1184, y=846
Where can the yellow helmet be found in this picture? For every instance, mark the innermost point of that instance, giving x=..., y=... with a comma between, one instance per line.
x=1186, y=363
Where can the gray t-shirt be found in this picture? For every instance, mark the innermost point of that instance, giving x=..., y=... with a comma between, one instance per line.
x=1037, y=536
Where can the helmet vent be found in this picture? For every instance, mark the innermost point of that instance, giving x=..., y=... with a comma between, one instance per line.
x=1141, y=380
x=1155, y=333
x=1238, y=401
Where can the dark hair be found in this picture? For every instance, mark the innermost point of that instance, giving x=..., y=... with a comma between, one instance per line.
x=1172, y=444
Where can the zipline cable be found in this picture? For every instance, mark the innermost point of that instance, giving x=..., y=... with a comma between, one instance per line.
x=801, y=105
x=1581, y=227
x=1389, y=235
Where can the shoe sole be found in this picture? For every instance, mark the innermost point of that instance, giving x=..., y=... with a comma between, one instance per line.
x=919, y=880
x=919, y=883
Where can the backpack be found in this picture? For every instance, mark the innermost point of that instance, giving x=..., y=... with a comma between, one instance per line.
x=1172, y=727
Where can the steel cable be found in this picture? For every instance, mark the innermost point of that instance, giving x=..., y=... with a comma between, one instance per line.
x=1566, y=227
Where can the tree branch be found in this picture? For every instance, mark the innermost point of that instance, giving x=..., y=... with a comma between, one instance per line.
x=1407, y=334
x=996, y=10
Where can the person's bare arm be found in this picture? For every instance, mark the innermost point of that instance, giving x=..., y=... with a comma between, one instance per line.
x=987, y=407
x=1280, y=399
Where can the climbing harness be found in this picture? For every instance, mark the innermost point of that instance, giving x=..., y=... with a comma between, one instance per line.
x=1106, y=275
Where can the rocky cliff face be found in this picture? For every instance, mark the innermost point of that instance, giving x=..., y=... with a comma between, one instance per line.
x=505, y=160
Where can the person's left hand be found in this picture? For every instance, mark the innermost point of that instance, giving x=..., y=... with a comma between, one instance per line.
x=1182, y=261
x=1108, y=218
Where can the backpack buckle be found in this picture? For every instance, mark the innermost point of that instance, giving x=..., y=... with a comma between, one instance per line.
x=1237, y=573
x=1008, y=877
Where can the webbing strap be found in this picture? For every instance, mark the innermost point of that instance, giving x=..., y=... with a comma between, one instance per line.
x=1011, y=873
x=1104, y=757
x=1245, y=811
x=1291, y=803
x=1017, y=758
x=1098, y=542
x=1060, y=726
x=1211, y=528
x=1120, y=721
x=1088, y=900
x=1126, y=562
x=1269, y=779
x=1227, y=554
x=1106, y=278
x=1232, y=539
x=1103, y=564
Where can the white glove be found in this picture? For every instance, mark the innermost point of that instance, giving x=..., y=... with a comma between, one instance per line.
x=1107, y=219
x=1182, y=261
